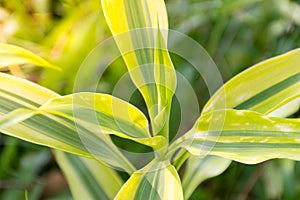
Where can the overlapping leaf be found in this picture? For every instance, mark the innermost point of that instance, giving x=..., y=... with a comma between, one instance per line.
x=278, y=95
x=47, y=129
x=271, y=87
x=98, y=113
x=87, y=178
x=104, y=114
x=157, y=181
x=140, y=30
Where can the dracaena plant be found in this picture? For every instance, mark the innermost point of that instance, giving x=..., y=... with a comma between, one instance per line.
x=243, y=121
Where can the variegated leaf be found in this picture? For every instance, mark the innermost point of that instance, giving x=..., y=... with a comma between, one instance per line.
x=157, y=181
x=140, y=30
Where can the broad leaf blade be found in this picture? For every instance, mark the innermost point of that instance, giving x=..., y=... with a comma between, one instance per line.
x=158, y=181
x=50, y=130
x=122, y=15
x=246, y=136
x=140, y=30
x=101, y=114
x=13, y=55
x=105, y=114
x=17, y=93
x=109, y=112
x=262, y=87
x=87, y=178
x=277, y=94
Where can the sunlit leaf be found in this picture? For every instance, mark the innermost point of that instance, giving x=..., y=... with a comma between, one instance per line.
x=245, y=136
x=262, y=88
x=277, y=95
x=100, y=114
x=105, y=114
x=50, y=130
x=158, y=180
x=140, y=30
x=111, y=112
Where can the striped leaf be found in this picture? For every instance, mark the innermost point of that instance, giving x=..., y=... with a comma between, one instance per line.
x=263, y=88
x=245, y=136
x=140, y=30
x=47, y=129
x=100, y=114
x=200, y=169
x=12, y=55
x=157, y=181
x=105, y=114
x=280, y=99
x=87, y=178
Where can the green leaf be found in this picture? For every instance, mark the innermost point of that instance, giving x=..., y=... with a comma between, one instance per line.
x=245, y=136
x=105, y=114
x=140, y=30
x=200, y=169
x=262, y=88
x=13, y=55
x=100, y=114
x=87, y=178
x=47, y=129
x=28, y=95
x=277, y=95
x=157, y=181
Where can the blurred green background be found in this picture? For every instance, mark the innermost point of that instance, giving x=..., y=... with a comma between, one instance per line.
x=237, y=34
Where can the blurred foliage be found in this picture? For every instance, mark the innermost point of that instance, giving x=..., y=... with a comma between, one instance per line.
x=236, y=34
